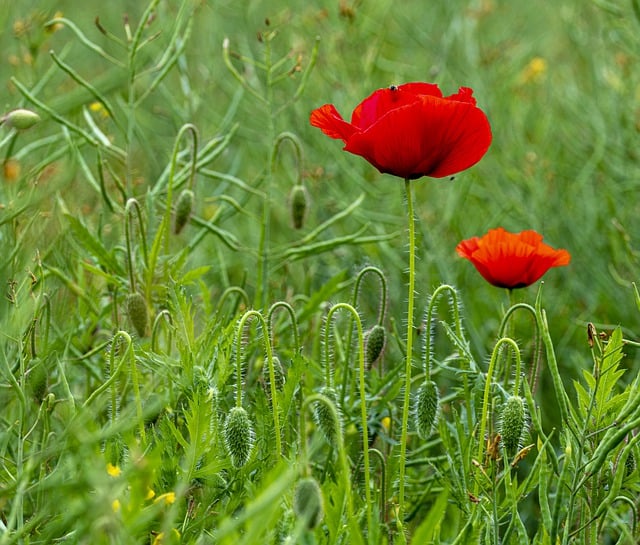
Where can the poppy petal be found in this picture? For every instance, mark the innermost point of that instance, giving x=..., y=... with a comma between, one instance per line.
x=511, y=260
x=331, y=123
x=428, y=137
x=382, y=101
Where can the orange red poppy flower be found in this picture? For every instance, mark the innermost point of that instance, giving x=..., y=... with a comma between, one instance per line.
x=411, y=130
x=509, y=260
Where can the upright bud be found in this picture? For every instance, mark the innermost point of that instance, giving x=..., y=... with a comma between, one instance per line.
x=184, y=205
x=238, y=436
x=307, y=502
x=513, y=423
x=299, y=204
x=20, y=119
x=138, y=314
x=426, y=409
x=375, y=344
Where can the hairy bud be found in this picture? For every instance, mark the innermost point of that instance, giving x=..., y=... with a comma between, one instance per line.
x=238, y=436
x=184, y=205
x=299, y=203
x=138, y=313
x=323, y=417
x=375, y=344
x=307, y=502
x=426, y=408
x=513, y=423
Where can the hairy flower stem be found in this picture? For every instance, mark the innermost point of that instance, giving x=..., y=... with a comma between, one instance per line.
x=272, y=377
x=487, y=390
x=363, y=397
x=407, y=383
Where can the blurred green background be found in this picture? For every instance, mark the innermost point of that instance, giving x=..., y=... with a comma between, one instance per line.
x=558, y=81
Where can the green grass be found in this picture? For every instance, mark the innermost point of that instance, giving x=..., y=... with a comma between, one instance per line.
x=114, y=430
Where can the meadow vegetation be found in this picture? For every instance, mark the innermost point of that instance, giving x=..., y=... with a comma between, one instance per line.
x=196, y=280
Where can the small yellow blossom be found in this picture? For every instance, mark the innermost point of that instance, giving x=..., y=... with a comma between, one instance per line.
x=150, y=494
x=168, y=498
x=159, y=539
x=54, y=27
x=115, y=505
x=386, y=423
x=98, y=108
x=113, y=471
x=534, y=71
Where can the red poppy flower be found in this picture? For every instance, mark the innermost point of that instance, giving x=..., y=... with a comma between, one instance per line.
x=511, y=261
x=411, y=130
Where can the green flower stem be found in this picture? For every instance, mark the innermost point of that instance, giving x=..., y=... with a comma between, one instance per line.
x=163, y=317
x=536, y=356
x=487, y=390
x=294, y=322
x=187, y=127
x=133, y=204
x=363, y=397
x=560, y=392
x=242, y=294
x=409, y=356
x=354, y=302
x=428, y=349
x=342, y=455
x=272, y=377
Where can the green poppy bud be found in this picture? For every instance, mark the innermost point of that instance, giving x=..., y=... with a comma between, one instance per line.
x=299, y=203
x=183, y=210
x=238, y=436
x=278, y=372
x=323, y=417
x=513, y=423
x=138, y=313
x=307, y=502
x=426, y=408
x=375, y=344
x=20, y=119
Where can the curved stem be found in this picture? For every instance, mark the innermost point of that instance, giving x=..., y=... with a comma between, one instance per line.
x=187, y=127
x=226, y=293
x=487, y=390
x=297, y=152
x=342, y=456
x=272, y=377
x=431, y=309
x=133, y=203
x=292, y=317
x=363, y=399
x=408, y=362
x=163, y=317
x=354, y=301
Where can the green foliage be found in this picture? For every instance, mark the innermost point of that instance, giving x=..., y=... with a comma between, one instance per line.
x=161, y=163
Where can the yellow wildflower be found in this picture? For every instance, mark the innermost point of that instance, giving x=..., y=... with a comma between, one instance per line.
x=113, y=471
x=168, y=498
x=534, y=71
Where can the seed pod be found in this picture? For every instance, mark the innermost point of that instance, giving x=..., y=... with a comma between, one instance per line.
x=513, y=423
x=375, y=344
x=629, y=464
x=307, y=502
x=426, y=409
x=20, y=119
x=324, y=419
x=138, y=314
x=184, y=205
x=299, y=203
x=238, y=436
